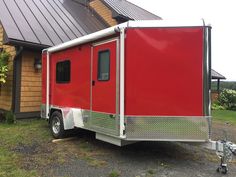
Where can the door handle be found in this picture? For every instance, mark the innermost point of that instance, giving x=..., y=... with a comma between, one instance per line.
x=93, y=83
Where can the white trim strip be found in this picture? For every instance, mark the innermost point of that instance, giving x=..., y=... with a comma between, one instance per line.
x=122, y=82
x=47, y=86
x=105, y=42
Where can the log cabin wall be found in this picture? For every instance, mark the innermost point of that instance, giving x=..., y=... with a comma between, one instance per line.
x=6, y=89
x=103, y=11
x=30, y=94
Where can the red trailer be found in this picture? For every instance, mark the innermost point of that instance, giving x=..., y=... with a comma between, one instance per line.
x=138, y=81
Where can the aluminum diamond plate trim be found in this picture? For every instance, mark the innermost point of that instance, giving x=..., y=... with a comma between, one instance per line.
x=167, y=128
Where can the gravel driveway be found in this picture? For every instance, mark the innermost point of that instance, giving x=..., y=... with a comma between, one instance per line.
x=145, y=159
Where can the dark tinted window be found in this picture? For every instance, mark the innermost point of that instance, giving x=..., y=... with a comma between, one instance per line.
x=104, y=65
x=63, y=72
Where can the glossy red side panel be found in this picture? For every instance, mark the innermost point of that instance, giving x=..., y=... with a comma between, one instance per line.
x=44, y=77
x=164, y=71
x=76, y=93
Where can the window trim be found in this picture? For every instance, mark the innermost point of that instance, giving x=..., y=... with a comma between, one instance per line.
x=63, y=82
x=109, y=68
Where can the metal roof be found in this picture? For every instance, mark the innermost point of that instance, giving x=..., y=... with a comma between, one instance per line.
x=130, y=11
x=216, y=75
x=47, y=22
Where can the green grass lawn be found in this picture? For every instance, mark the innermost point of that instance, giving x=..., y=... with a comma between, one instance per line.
x=224, y=116
x=11, y=137
x=27, y=150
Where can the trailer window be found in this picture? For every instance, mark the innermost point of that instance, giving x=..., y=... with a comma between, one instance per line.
x=63, y=72
x=104, y=65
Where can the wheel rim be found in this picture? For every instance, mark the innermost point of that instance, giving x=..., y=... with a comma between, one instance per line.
x=56, y=125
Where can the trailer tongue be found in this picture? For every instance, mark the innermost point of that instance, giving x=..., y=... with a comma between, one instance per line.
x=138, y=81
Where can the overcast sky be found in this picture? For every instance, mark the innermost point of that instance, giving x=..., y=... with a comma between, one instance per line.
x=220, y=14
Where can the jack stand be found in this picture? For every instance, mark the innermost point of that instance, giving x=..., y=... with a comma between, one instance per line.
x=223, y=167
x=225, y=157
x=225, y=151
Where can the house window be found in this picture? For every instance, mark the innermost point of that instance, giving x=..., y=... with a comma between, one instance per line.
x=104, y=65
x=63, y=71
x=1, y=49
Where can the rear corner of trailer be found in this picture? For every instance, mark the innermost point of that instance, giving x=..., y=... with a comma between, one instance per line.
x=167, y=83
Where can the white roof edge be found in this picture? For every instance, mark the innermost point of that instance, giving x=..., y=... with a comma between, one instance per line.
x=166, y=23
x=129, y=24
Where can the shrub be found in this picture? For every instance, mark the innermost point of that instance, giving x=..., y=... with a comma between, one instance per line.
x=10, y=117
x=4, y=56
x=227, y=99
x=217, y=106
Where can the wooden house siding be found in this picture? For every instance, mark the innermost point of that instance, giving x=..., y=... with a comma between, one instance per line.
x=6, y=89
x=30, y=97
x=103, y=11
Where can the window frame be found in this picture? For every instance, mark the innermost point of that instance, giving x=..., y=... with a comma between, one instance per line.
x=63, y=61
x=109, y=66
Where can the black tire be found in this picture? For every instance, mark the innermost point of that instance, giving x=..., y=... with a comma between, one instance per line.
x=57, y=125
x=224, y=170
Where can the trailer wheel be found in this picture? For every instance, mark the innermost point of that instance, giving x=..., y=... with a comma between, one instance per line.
x=56, y=125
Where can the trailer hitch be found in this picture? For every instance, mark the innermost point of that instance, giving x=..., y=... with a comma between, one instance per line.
x=225, y=151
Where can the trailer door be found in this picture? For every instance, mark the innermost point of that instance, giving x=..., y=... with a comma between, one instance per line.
x=104, y=78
